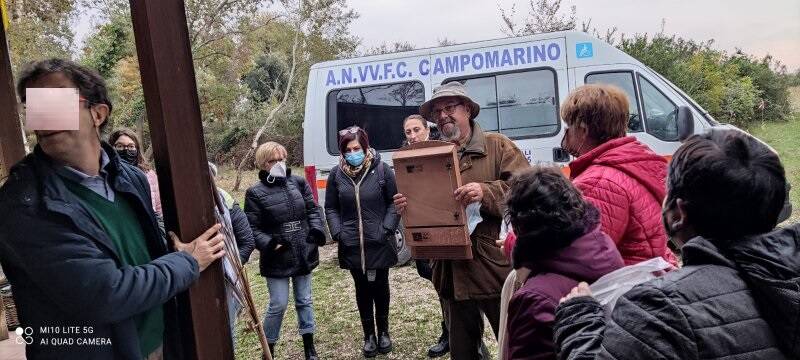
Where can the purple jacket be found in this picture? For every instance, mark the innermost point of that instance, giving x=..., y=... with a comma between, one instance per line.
x=531, y=311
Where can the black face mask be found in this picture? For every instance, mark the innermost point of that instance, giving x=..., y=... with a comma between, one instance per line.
x=130, y=156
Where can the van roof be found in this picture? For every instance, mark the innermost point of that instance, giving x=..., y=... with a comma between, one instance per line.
x=573, y=36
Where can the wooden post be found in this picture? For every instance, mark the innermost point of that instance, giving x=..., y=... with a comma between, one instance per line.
x=12, y=149
x=173, y=111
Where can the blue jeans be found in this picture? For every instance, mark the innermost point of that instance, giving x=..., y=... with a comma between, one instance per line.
x=279, y=299
x=233, y=311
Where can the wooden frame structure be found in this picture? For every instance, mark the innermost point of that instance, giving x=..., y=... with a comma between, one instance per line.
x=173, y=110
x=12, y=148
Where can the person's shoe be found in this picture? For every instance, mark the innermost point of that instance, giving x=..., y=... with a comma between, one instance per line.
x=384, y=343
x=308, y=347
x=370, y=346
x=443, y=346
x=271, y=349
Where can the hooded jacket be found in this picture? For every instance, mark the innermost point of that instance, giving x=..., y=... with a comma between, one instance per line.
x=282, y=211
x=738, y=301
x=626, y=181
x=531, y=311
x=361, y=216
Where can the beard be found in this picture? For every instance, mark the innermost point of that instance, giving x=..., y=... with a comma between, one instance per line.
x=450, y=132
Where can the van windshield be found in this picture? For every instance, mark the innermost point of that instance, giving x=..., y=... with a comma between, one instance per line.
x=691, y=101
x=379, y=110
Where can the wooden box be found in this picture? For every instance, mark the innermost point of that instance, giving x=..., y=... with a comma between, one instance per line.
x=435, y=223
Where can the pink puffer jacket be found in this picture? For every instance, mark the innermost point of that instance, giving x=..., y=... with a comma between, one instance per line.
x=155, y=195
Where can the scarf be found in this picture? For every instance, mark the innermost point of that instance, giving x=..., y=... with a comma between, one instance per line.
x=354, y=171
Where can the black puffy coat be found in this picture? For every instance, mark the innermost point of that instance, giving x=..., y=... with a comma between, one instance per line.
x=377, y=218
x=284, y=213
x=739, y=303
x=242, y=232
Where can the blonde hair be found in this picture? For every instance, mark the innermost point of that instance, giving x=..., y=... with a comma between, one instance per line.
x=265, y=151
x=602, y=109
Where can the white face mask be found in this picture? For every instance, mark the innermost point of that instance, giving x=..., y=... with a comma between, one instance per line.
x=278, y=170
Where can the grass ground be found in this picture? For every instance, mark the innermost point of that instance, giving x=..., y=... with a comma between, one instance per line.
x=415, y=314
x=785, y=138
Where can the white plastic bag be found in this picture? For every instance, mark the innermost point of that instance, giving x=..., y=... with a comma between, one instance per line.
x=473, y=215
x=611, y=286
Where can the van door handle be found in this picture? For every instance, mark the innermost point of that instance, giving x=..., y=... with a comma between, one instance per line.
x=560, y=155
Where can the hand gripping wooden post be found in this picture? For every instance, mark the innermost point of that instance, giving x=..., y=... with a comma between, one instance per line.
x=173, y=111
x=12, y=148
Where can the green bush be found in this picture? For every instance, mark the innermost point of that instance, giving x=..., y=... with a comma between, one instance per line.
x=740, y=101
x=771, y=80
x=737, y=88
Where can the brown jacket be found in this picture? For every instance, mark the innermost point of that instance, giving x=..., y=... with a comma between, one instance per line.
x=488, y=159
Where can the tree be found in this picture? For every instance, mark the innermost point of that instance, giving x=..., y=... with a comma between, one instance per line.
x=231, y=40
x=39, y=29
x=385, y=48
x=407, y=91
x=544, y=16
x=267, y=78
x=445, y=42
x=300, y=16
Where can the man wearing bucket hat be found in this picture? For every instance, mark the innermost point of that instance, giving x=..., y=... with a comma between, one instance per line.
x=470, y=288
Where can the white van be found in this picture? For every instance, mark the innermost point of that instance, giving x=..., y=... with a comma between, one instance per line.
x=519, y=83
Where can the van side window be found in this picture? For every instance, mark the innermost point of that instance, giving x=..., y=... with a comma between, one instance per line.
x=660, y=113
x=624, y=81
x=519, y=104
x=484, y=92
x=379, y=110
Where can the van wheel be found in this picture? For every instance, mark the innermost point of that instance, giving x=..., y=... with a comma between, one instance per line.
x=403, y=252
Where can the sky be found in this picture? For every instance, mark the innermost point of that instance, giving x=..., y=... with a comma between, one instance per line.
x=757, y=27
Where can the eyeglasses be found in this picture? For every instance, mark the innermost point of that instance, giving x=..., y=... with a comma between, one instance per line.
x=448, y=110
x=350, y=130
x=125, y=147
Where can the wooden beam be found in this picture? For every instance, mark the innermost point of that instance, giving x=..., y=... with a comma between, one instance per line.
x=12, y=148
x=173, y=111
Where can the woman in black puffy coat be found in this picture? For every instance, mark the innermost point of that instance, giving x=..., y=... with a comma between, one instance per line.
x=362, y=219
x=287, y=227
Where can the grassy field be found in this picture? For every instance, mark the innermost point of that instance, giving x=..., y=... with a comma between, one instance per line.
x=415, y=313
x=785, y=138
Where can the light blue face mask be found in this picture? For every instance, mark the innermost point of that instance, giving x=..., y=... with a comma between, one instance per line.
x=355, y=158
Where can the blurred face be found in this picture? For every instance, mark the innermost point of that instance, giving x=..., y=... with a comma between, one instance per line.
x=353, y=146
x=125, y=143
x=62, y=144
x=415, y=131
x=276, y=157
x=452, y=118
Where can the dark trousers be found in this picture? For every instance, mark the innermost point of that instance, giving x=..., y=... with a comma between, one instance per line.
x=372, y=293
x=426, y=272
x=466, y=326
